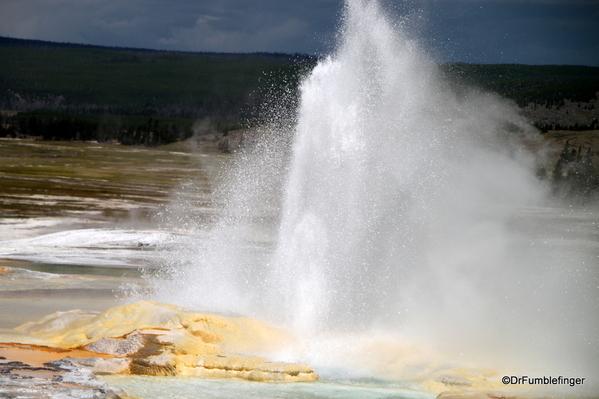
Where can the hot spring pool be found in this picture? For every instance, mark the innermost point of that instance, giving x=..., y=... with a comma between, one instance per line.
x=171, y=388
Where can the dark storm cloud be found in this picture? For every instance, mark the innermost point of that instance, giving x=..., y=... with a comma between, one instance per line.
x=490, y=31
x=239, y=25
x=189, y=25
x=510, y=31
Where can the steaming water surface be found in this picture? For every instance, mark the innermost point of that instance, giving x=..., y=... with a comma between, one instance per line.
x=159, y=387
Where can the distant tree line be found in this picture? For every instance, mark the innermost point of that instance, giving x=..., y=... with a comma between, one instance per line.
x=85, y=85
x=232, y=108
x=67, y=91
x=545, y=85
x=50, y=125
x=576, y=127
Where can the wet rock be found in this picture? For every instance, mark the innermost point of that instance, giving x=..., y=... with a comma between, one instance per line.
x=449, y=380
x=104, y=366
x=78, y=328
x=59, y=321
x=118, y=346
x=164, y=340
x=57, y=379
x=162, y=365
x=251, y=368
x=460, y=379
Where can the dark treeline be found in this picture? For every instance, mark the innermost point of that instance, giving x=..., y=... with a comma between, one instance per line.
x=68, y=91
x=553, y=97
x=234, y=109
x=85, y=80
x=576, y=127
x=545, y=85
x=52, y=125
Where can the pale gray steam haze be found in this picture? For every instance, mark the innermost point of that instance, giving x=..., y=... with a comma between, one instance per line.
x=479, y=31
x=394, y=224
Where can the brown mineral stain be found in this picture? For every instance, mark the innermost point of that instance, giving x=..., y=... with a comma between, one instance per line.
x=36, y=356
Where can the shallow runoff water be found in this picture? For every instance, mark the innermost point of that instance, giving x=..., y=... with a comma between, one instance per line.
x=177, y=388
x=389, y=216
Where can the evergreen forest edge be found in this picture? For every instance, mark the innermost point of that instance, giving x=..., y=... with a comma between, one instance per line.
x=65, y=91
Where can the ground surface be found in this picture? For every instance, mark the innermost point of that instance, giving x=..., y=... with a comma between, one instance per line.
x=50, y=187
x=54, y=186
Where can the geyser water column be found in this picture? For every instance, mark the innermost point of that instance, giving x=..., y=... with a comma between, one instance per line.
x=399, y=212
x=397, y=209
x=389, y=167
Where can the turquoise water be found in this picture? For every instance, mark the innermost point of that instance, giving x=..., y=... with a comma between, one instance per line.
x=181, y=388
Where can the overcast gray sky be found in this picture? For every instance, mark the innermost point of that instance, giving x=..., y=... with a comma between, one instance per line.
x=481, y=31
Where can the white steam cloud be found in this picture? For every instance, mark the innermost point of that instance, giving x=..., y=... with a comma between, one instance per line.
x=390, y=205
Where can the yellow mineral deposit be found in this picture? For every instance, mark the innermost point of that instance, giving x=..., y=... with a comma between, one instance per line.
x=160, y=339
x=149, y=338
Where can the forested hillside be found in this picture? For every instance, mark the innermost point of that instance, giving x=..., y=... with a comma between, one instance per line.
x=554, y=97
x=68, y=91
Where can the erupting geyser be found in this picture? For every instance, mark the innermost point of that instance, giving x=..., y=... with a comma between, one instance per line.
x=399, y=207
